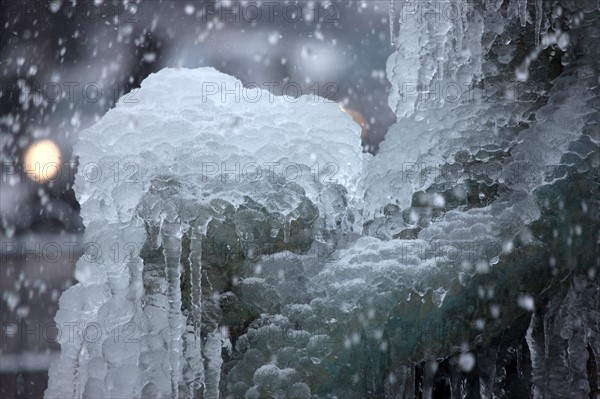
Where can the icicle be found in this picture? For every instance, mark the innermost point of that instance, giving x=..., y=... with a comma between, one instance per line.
x=195, y=276
x=486, y=363
x=194, y=373
x=286, y=230
x=171, y=238
x=214, y=361
x=392, y=20
x=456, y=383
x=538, y=21
x=513, y=9
x=429, y=370
x=523, y=12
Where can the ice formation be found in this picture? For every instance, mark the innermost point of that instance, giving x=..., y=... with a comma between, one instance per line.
x=413, y=272
x=196, y=150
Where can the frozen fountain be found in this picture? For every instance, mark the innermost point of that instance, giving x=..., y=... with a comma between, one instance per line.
x=241, y=245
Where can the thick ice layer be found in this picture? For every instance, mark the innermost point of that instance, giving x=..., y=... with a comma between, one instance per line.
x=458, y=101
x=454, y=224
x=189, y=148
x=204, y=123
x=266, y=288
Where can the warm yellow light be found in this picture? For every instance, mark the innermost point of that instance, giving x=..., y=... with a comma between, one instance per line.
x=42, y=161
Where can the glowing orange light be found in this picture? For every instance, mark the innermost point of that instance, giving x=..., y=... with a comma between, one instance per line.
x=359, y=119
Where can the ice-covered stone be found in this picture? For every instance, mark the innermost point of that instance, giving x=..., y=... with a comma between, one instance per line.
x=190, y=150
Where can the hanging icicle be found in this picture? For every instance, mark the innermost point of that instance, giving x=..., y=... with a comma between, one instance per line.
x=538, y=21
x=392, y=21
x=523, y=12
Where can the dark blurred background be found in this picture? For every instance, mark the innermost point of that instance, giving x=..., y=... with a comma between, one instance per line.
x=64, y=63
